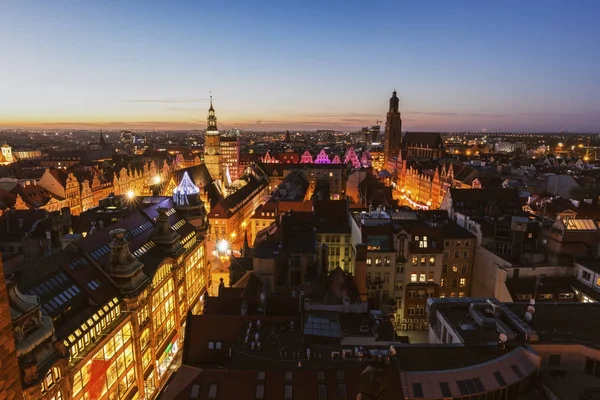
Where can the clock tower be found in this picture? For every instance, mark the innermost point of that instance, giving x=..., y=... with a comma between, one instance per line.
x=212, y=144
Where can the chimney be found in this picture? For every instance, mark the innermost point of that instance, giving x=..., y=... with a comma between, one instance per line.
x=164, y=235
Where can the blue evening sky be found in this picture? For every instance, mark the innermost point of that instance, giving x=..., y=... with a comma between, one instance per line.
x=457, y=65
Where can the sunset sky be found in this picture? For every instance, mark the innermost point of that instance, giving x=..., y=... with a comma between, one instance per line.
x=457, y=65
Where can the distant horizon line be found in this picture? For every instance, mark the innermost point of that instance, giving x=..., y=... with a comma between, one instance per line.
x=151, y=130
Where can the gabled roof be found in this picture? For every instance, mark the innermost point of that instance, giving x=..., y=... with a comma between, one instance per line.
x=478, y=200
x=422, y=139
x=60, y=176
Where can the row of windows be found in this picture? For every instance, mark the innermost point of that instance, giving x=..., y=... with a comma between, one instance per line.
x=465, y=254
x=463, y=268
x=421, y=278
x=378, y=261
x=457, y=243
x=423, y=260
x=462, y=282
x=452, y=294
x=419, y=294
x=89, y=330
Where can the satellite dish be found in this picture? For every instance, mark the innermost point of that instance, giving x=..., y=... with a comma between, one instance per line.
x=531, y=309
x=392, y=350
x=503, y=337
x=528, y=316
x=545, y=241
x=540, y=223
x=532, y=302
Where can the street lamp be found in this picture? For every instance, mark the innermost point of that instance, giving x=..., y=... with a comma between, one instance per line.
x=223, y=246
x=130, y=194
x=156, y=179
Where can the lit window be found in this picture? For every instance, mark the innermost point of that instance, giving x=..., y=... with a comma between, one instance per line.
x=431, y=260
x=415, y=261
x=413, y=278
x=455, y=268
x=423, y=242
x=463, y=282
x=368, y=261
x=443, y=283
x=422, y=278
x=461, y=294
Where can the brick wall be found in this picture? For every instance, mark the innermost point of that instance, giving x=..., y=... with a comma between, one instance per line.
x=10, y=374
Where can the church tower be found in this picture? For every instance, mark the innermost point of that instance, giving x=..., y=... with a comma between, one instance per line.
x=393, y=128
x=212, y=144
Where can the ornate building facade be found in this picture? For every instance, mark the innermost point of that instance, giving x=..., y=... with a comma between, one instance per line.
x=107, y=315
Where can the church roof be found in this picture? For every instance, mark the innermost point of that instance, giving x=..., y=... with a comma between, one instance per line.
x=423, y=139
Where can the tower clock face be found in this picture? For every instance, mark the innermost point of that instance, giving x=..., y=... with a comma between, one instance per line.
x=210, y=151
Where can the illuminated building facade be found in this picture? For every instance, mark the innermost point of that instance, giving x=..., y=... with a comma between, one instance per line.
x=118, y=299
x=230, y=216
x=212, y=146
x=418, y=189
x=334, y=230
x=230, y=153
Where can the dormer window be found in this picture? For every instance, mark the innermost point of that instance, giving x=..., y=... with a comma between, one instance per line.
x=586, y=275
x=28, y=327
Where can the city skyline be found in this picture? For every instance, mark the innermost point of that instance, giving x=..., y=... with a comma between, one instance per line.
x=508, y=67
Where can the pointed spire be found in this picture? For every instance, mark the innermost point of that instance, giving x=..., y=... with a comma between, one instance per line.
x=246, y=248
x=212, y=118
x=102, y=140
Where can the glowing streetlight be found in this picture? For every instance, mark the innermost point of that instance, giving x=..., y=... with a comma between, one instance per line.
x=223, y=246
x=130, y=194
x=560, y=145
x=156, y=179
